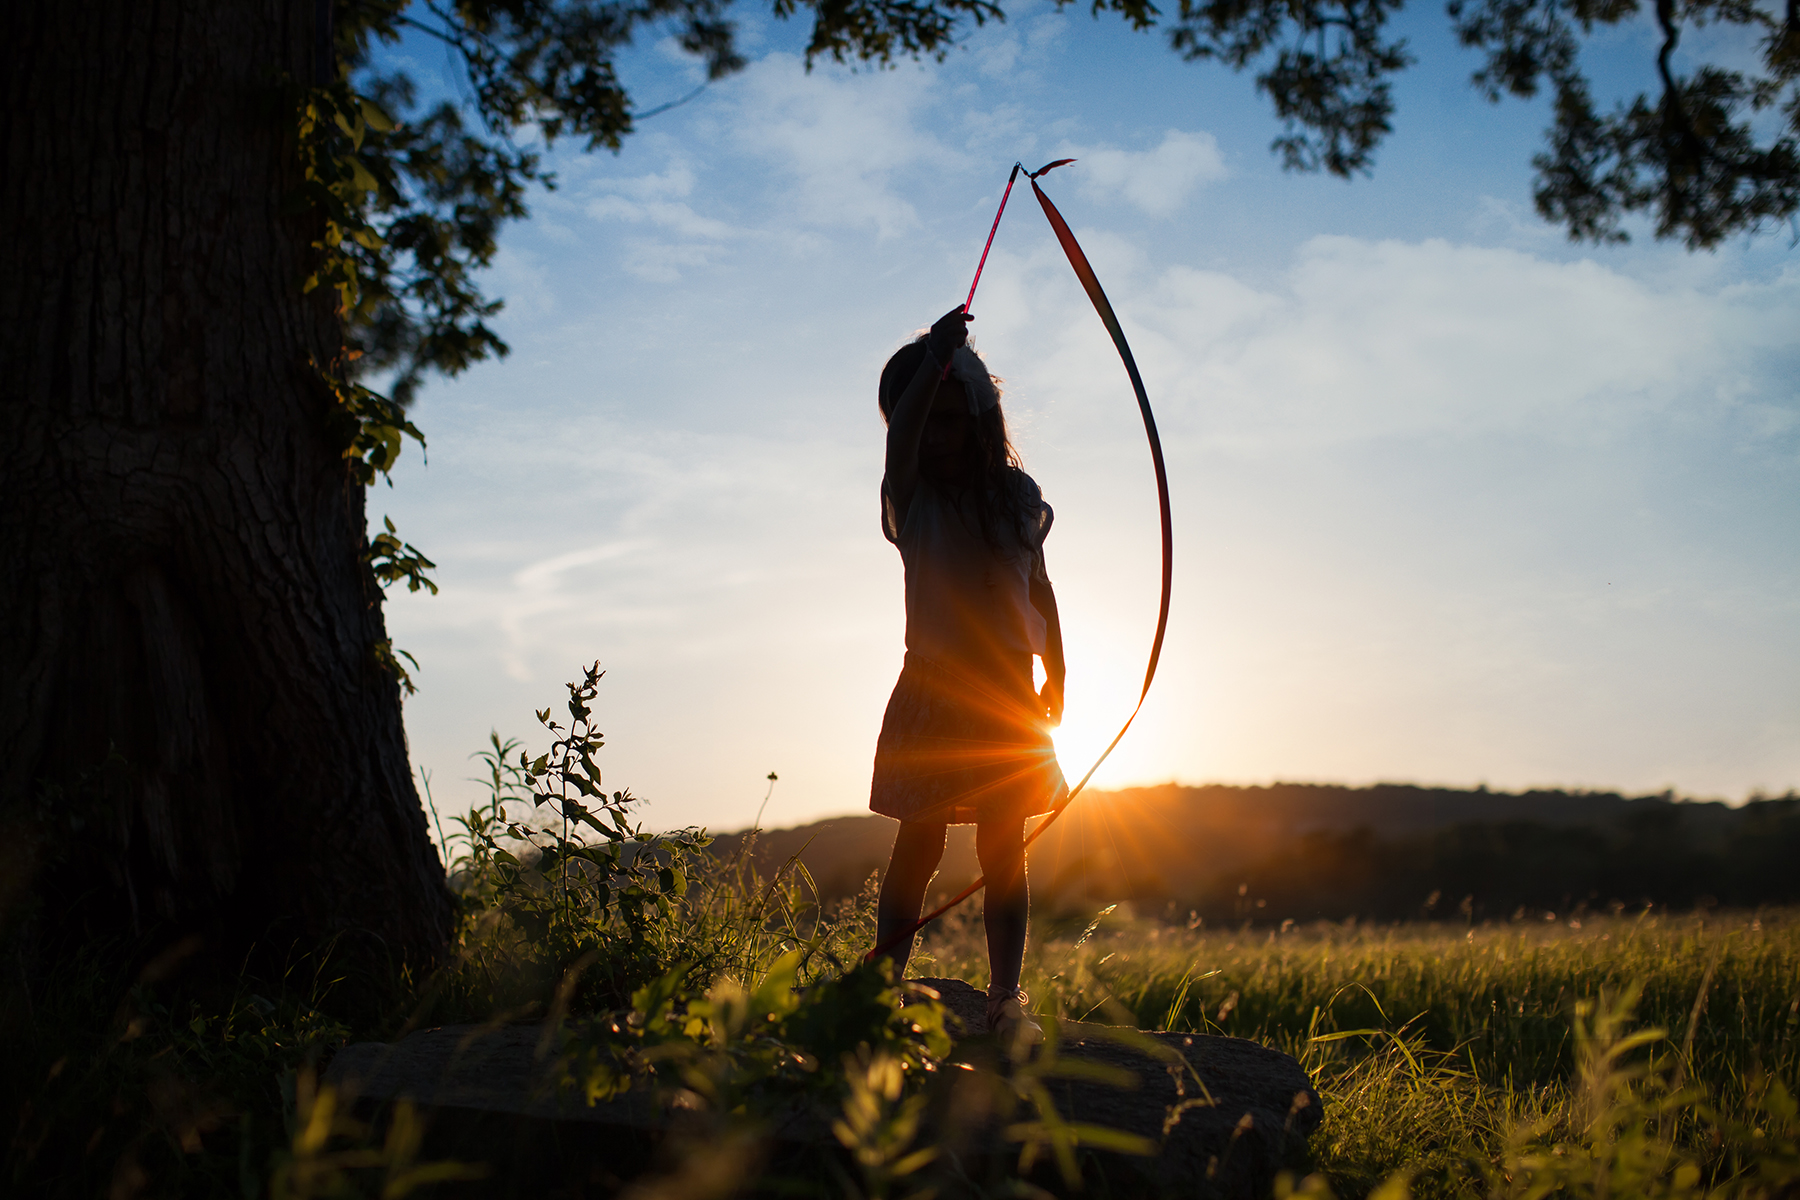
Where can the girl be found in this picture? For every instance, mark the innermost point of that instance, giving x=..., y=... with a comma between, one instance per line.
x=966, y=738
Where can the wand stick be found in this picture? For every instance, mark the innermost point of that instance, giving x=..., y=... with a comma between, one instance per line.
x=1017, y=167
x=995, y=228
x=992, y=230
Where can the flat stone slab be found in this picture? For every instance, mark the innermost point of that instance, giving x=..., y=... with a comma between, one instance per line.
x=1225, y=1133
x=1225, y=1113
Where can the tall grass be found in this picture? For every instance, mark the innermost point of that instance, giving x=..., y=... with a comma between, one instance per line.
x=1433, y=1046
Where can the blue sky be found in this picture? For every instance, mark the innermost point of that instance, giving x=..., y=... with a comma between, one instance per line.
x=1455, y=501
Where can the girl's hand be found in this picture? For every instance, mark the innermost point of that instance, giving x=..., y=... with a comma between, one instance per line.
x=906, y=421
x=1051, y=697
x=949, y=332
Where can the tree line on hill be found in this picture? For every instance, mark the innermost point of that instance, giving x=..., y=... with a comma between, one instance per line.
x=1484, y=870
x=1306, y=852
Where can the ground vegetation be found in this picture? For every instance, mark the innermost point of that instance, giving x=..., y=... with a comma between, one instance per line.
x=1633, y=1053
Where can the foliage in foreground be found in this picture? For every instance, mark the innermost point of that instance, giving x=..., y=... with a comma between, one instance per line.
x=1647, y=1055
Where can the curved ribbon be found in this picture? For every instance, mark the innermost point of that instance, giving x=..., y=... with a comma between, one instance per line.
x=1090, y=282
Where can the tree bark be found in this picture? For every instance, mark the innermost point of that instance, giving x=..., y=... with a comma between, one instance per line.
x=195, y=734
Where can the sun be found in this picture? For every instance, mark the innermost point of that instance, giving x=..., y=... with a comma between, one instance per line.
x=1097, y=705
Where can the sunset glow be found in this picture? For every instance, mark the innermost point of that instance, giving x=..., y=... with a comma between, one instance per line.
x=1454, y=501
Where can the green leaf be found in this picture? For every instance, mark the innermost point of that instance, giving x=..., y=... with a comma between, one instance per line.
x=1102, y=1137
x=375, y=116
x=360, y=178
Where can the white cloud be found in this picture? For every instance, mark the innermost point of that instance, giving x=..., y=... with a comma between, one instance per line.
x=1381, y=338
x=663, y=262
x=521, y=277
x=655, y=199
x=842, y=138
x=1159, y=180
x=1363, y=340
x=678, y=180
x=544, y=573
x=998, y=58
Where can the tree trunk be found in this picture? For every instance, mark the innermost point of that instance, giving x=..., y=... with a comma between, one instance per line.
x=196, y=737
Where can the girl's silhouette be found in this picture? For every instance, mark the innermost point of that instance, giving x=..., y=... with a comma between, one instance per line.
x=966, y=736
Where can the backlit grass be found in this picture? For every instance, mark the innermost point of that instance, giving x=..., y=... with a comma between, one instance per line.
x=1432, y=1045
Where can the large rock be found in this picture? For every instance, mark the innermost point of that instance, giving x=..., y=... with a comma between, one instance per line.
x=1224, y=1113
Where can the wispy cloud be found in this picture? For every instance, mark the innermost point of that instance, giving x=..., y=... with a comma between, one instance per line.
x=838, y=140
x=675, y=216
x=1157, y=181
x=658, y=200
x=1365, y=340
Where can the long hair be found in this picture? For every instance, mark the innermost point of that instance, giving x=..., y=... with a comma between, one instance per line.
x=993, y=467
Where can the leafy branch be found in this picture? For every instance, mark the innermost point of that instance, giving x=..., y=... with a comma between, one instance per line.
x=393, y=560
x=1330, y=77
x=1691, y=157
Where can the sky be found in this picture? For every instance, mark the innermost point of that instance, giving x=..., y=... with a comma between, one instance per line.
x=1455, y=501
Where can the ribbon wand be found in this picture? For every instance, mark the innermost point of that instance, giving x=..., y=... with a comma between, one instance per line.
x=1031, y=175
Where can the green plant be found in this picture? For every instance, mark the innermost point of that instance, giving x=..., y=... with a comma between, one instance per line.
x=730, y=1044
x=880, y=1124
x=589, y=885
x=393, y=560
x=331, y=1154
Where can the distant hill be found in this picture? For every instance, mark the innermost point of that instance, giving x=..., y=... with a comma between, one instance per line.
x=1306, y=851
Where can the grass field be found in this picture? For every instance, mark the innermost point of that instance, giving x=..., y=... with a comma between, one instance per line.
x=1433, y=1044
x=1632, y=1054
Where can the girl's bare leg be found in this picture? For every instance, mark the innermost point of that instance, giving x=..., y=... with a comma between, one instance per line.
x=1001, y=847
x=918, y=847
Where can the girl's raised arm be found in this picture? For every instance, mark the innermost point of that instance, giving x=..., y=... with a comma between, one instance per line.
x=906, y=422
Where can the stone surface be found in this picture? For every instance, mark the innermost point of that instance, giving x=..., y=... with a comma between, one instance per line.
x=1226, y=1113
x=1229, y=1136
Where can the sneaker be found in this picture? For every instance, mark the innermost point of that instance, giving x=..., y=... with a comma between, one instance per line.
x=1011, y=1023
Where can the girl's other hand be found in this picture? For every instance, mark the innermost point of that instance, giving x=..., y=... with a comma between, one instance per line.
x=1051, y=697
x=949, y=332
